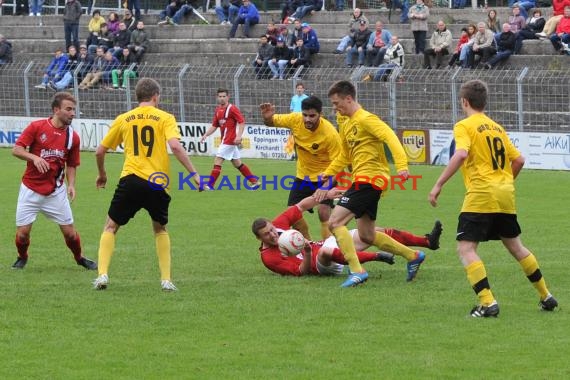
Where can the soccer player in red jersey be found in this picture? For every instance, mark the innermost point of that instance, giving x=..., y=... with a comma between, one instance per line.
x=51, y=148
x=229, y=119
x=324, y=257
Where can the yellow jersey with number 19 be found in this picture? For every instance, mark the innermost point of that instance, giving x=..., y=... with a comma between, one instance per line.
x=487, y=172
x=144, y=132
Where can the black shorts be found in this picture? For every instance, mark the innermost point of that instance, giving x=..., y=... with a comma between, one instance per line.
x=134, y=193
x=474, y=226
x=302, y=189
x=361, y=198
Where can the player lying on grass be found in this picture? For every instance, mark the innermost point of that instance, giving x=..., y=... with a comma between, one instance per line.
x=325, y=257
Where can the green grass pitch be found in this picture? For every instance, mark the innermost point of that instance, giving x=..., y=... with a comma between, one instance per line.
x=233, y=319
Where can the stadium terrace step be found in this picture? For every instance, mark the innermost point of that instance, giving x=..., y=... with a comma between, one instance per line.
x=451, y=16
x=192, y=31
x=322, y=60
x=242, y=45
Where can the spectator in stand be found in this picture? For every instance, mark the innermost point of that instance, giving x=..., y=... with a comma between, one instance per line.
x=172, y=7
x=505, y=47
x=378, y=44
x=283, y=32
x=493, y=22
x=525, y=6
x=439, y=46
x=552, y=23
x=279, y=60
x=87, y=60
x=102, y=38
x=139, y=41
x=404, y=7
x=109, y=64
x=394, y=58
x=129, y=20
x=95, y=73
x=5, y=50
x=310, y=39
x=298, y=98
x=55, y=69
x=561, y=37
x=296, y=33
x=134, y=6
x=248, y=16
x=357, y=45
x=185, y=9
x=534, y=25
x=35, y=7
x=71, y=15
x=355, y=19
x=121, y=40
x=463, y=39
x=482, y=46
x=466, y=48
x=67, y=78
x=516, y=21
x=95, y=22
x=288, y=8
x=264, y=54
x=300, y=56
x=113, y=22
x=124, y=70
x=339, y=5
x=308, y=7
x=418, y=14
x=228, y=11
x=272, y=33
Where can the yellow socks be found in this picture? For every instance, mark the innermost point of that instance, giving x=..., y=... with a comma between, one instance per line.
x=386, y=243
x=325, y=232
x=532, y=271
x=346, y=245
x=106, y=248
x=477, y=276
x=162, y=240
x=302, y=226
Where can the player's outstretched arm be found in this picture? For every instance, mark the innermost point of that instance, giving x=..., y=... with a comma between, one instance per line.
x=305, y=267
x=267, y=112
x=101, y=180
x=180, y=154
x=454, y=164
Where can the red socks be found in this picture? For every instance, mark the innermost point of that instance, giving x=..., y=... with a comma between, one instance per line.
x=214, y=175
x=22, y=247
x=75, y=246
x=363, y=257
x=407, y=238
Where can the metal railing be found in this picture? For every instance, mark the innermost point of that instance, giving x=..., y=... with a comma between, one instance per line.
x=528, y=100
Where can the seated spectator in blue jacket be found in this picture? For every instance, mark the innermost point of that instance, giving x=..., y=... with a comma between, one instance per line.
x=110, y=63
x=505, y=46
x=310, y=39
x=228, y=11
x=72, y=63
x=5, y=50
x=248, y=16
x=55, y=69
x=309, y=6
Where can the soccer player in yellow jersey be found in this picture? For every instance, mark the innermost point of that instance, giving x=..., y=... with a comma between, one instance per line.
x=145, y=133
x=318, y=143
x=489, y=163
x=363, y=136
